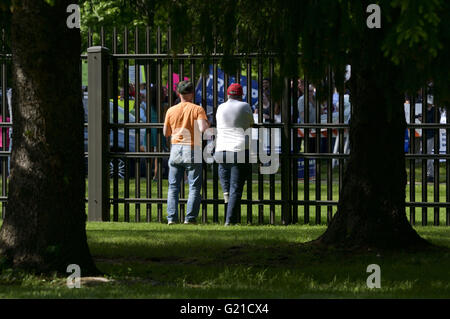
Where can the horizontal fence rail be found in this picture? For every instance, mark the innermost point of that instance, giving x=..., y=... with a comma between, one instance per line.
x=132, y=83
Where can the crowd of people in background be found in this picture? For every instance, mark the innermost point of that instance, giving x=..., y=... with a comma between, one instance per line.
x=180, y=109
x=431, y=115
x=271, y=112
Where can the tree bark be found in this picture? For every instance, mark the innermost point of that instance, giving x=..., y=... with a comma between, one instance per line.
x=371, y=210
x=44, y=227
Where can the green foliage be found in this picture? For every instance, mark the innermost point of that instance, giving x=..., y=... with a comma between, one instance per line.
x=419, y=43
x=50, y=2
x=109, y=13
x=414, y=37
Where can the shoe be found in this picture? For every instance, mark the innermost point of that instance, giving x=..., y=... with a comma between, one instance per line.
x=190, y=222
x=171, y=223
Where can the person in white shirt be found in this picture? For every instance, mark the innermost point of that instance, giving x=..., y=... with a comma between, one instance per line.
x=234, y=119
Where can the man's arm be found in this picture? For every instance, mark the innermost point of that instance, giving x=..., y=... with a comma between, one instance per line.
x=203, y=125
x=166, y=128
x=202, y=119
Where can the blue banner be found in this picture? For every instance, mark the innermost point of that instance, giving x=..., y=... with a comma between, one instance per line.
x=220, y=88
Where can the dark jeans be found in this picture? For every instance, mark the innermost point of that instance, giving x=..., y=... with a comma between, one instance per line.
x=233, y=175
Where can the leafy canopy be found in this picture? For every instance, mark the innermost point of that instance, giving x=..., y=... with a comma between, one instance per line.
x=414, y=35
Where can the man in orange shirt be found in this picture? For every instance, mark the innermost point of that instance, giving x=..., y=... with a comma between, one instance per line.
x=185, y=123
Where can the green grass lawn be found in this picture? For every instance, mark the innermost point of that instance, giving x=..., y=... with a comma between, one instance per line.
x=152, y=260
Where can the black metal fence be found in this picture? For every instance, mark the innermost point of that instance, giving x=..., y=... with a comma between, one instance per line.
x=127, y=152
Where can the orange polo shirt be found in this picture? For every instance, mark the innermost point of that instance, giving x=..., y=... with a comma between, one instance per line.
x=181, y=123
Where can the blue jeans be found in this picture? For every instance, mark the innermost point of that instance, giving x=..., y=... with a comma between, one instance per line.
x=233, y=175
x=181, y=160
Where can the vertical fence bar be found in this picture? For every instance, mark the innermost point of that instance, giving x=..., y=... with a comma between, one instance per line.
x=192, y=71
x=238, y=80
x=4, y=119
x=98, y=202
x=204, y=165
x=412, y=162
x=250, y=175
x=170, y=73
x=115, y=80
x=126, y=92
x=137, y=132
x=182, y=191
x=295, y=150
x=285, y=155
x=329, y=148
x=225, y=98
x=215, y=165
x=102, y=36
x=148, y=115
x=341, y=136
x=272, y=143
x=159, y=103
x=89, y=37
x=424, y=161
x=318, y=219
x=261, y=133
x=306, y=150
x=436, y=137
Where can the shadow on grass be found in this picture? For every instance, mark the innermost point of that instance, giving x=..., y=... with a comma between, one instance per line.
x=211, y=261
x=264, y=261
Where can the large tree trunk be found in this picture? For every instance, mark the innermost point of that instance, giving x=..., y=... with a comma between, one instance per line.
x=44, y=228
x=371, y=209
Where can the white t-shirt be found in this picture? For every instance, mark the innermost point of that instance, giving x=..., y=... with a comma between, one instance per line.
x=233, y=118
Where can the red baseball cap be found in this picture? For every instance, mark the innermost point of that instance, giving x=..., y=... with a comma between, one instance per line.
x=235, y=89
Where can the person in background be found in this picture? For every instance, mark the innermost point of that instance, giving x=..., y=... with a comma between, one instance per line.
x=312, y=115
x=300, y=87
x=266, y=103
x=233, y=118
x=429, y=136
x=121, y=100
x=184, y=124
x=153, y=143
x=143, y=89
